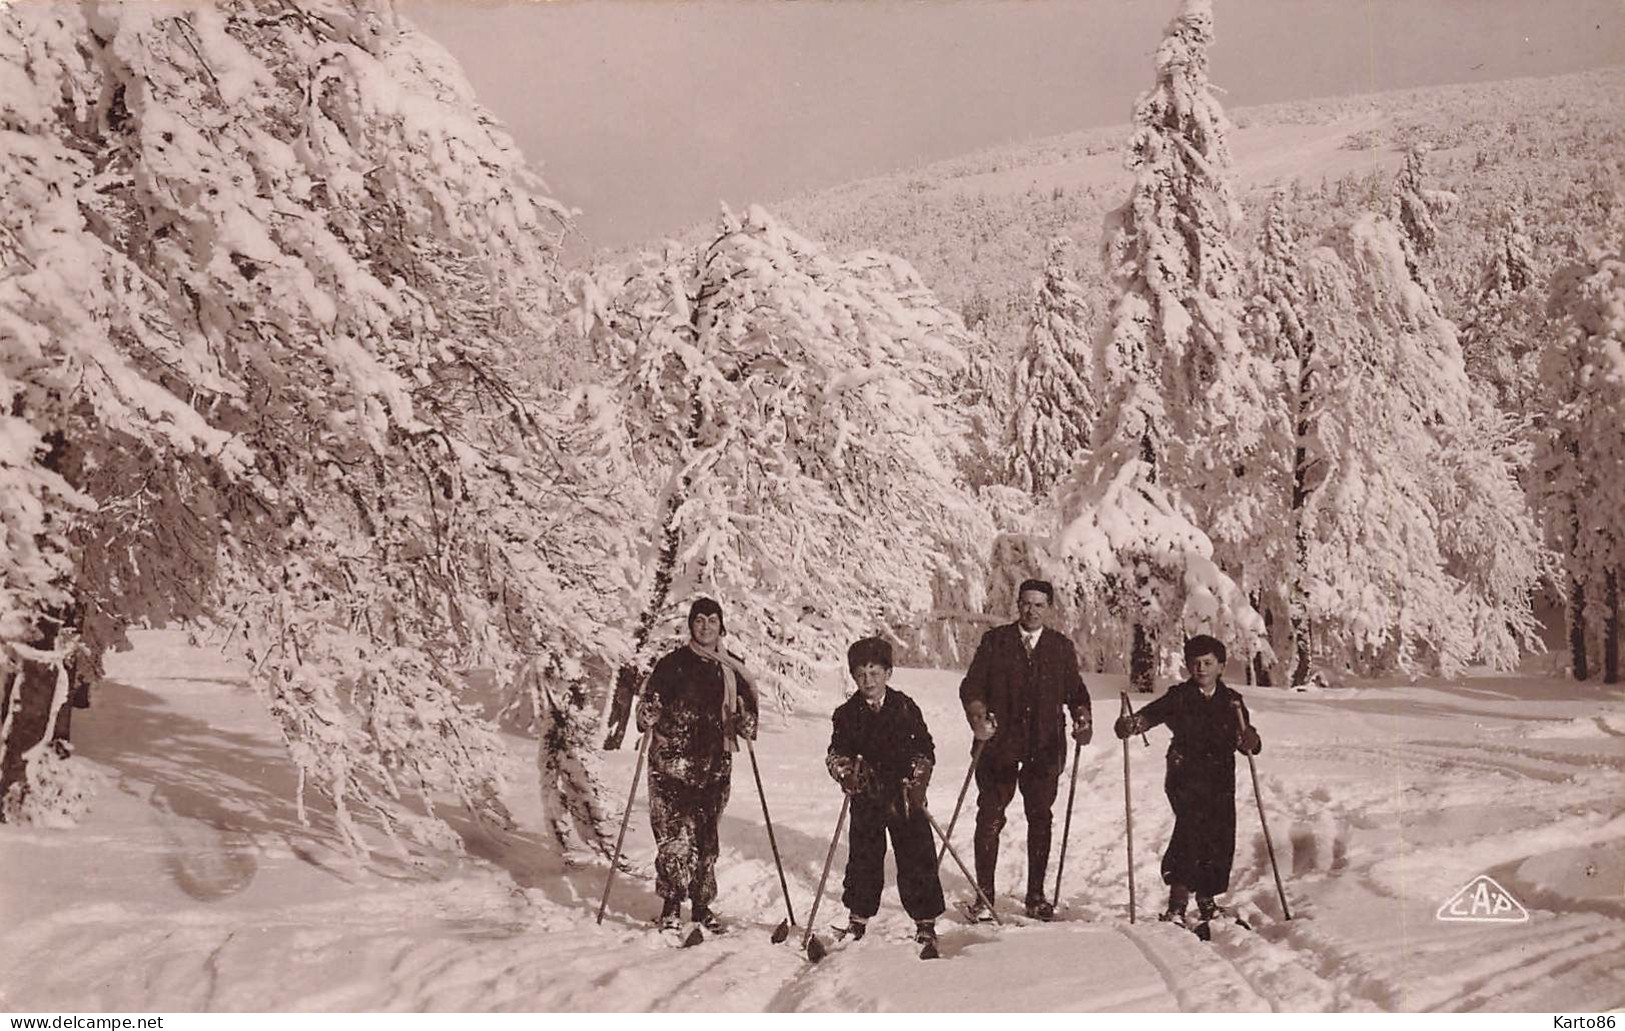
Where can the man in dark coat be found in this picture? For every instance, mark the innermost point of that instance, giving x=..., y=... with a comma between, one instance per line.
x=697, y=702
x=1022, y=675
x=881, y=753
x=1210, y=724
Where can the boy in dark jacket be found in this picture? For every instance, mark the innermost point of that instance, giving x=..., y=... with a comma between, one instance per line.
x=881, y=754
x=1210, y=725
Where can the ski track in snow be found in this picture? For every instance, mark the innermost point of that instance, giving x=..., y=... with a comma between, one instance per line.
x=191, y=886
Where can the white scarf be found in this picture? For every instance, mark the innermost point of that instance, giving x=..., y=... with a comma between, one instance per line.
x=732, y=670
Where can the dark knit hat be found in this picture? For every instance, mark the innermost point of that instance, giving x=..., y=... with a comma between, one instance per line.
x=1204, y=644
x=705, y=607
x=871, y=651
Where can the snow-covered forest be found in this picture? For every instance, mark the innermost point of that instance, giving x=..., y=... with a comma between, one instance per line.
x=342, y=516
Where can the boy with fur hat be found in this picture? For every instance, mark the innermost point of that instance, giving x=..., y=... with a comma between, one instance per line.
x=696, y=704
x=881, y=754
x=1210, y=724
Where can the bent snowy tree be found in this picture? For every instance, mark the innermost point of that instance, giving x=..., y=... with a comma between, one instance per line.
x=276, y=259
x=1581, y=457
x=792, y=411
x=1420, y=549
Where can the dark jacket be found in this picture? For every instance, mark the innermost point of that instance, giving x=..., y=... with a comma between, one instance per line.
x=894, y=742
x=1025, y=695
x=1206, y=732
x=683, y=704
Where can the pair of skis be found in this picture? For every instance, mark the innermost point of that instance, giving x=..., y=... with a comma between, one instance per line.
x=1128, y=812
x=694, y=935
x=814, y=946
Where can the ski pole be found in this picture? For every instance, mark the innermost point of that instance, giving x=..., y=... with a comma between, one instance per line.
x=975, y=756
x=809, y=941
x=782, y=931
x=637, y=772
x=1268, y=845
x=1066, y=827
x=962, y=869
x=1258, y=796
x=1128, y=812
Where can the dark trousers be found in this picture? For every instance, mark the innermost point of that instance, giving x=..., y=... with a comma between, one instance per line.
x=996, y=785
x=684, y=817
x=1203, y=844
x=917, y=882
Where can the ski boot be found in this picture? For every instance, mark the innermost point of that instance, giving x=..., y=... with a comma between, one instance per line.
x=705, y=918
x=1207, y=910
x=925, y=935
x=856, y=927
x=977, y=911
x=671, y=915
x=1040, y=908
x=1178, y=900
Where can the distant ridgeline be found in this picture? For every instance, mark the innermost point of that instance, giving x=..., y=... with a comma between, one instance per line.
x=976, y=226
x=1494, y=187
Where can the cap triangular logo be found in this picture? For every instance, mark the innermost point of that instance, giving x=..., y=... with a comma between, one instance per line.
x=1483, y=900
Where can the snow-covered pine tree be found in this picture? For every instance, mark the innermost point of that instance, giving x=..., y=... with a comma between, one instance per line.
x=296, y=217
x=982, y=390
x=1415, y=208
x=1581, y=457
x=1505, y=325
x=1421, y=549
x=1185, y=399
x=1053, y=402
x=795, y=411
x=1278, y=322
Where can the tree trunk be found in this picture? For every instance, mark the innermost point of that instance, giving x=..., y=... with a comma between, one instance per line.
x=1297, y=603
x=30, y=712
x=1577, y=591
x=1142, y=670
x=632, y=674
x=1260, y=669
x=1610, y=630
x=1577, y=630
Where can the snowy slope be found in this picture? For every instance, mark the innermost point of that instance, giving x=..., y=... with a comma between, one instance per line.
x=192, y=886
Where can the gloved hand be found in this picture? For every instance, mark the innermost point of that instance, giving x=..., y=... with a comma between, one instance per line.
x=850, y=772
x=1083, y=727
x=1248, y=742
x=740, y=724
x=1128, y=726
x=983, y=724
x=914, y=787
x=648, y=713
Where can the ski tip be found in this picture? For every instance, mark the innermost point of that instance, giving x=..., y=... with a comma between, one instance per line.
x=781, y=932
x=815, y=949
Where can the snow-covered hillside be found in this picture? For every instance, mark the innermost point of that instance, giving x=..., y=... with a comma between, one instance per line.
x=192, y=886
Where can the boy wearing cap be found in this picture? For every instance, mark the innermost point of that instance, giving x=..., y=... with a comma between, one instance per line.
x=1210, y=724
x=880, y=752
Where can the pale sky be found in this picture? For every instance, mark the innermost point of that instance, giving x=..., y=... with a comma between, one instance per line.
x=646, y=113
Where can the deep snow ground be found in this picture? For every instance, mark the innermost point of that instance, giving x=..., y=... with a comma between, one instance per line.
x=191, y=885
